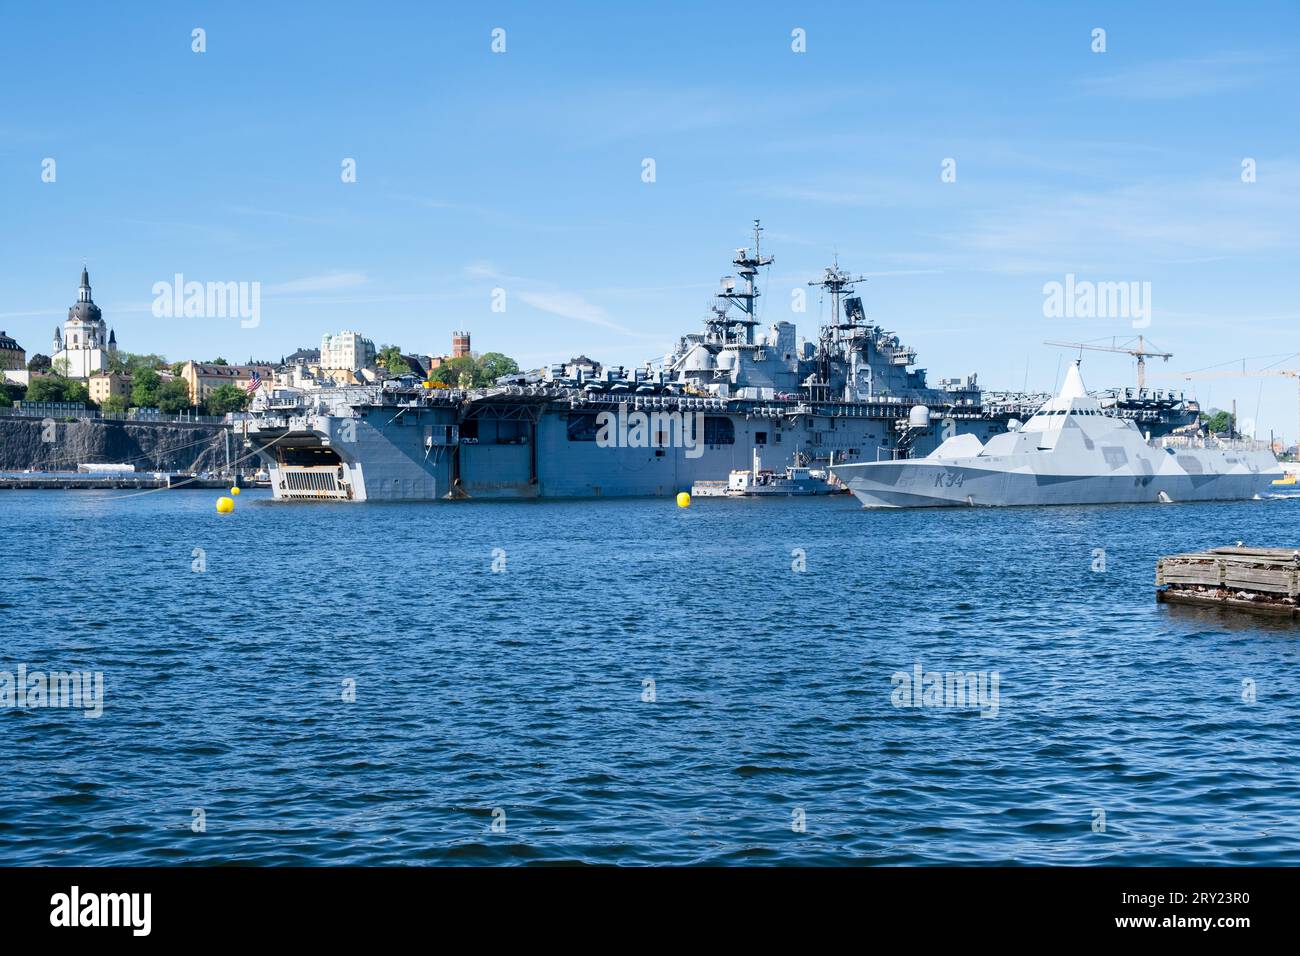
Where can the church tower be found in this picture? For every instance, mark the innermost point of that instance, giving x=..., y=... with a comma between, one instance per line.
x=86, y=344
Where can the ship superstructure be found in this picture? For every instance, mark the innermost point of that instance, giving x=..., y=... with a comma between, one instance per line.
x=852, y=360
x=582, y=430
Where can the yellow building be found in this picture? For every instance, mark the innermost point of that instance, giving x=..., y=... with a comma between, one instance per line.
x=202, y=377
x=105, y=385
x=12, y=356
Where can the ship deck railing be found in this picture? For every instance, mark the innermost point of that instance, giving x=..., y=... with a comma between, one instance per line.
x=1211, y=441
x=885, y=407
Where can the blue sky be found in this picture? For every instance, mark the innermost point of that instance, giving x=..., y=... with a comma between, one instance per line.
x=522, y=171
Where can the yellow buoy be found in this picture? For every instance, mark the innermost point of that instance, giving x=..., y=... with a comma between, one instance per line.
x=235, y=490
x=683, y=499
x=225, y=505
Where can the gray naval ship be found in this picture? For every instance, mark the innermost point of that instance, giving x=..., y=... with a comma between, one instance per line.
x=1070, y=452
x=719, y=396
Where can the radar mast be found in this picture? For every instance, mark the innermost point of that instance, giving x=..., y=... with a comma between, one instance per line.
x=747, y=265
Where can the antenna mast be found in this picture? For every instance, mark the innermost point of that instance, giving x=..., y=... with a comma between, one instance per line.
x=747, y=266
x=839, y=283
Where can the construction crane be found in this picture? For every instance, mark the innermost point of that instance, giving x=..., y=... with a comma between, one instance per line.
x=1141, y=353
x=1247, y=373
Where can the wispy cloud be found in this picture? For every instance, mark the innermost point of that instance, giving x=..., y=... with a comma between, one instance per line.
x=433, y=202
x=329, y=282
x=858, y=192
x=569, y=305
x=277, y=214
x=168, y=228
x=902, y=272
x=482, y=269
x=1154, y=222
x=1175, y=79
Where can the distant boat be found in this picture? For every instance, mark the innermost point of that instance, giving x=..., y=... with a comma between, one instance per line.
x=1070, y=452
x=793, y=481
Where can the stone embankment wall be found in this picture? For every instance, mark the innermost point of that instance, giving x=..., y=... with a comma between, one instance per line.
x=25, y=443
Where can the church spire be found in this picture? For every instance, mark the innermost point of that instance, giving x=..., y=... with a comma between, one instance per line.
x=83, y=295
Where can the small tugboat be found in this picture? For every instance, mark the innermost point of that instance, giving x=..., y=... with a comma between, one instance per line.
x=1288, y=486
x=757, y=482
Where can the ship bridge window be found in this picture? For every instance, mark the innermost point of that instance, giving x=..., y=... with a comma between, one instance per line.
x=760, y=438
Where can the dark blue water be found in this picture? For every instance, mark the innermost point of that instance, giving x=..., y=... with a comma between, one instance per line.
x=521, y=691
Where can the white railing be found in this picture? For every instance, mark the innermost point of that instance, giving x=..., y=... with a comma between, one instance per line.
x=1211, y=441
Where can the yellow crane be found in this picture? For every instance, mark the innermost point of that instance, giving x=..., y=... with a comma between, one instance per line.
x=1247, y=373
x=1140, y=352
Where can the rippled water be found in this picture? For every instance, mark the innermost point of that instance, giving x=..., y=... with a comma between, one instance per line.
x=522, y=691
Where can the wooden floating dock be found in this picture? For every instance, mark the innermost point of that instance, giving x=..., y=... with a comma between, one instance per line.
x=1260, y=580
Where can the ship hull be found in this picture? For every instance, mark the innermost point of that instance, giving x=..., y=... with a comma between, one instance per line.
x=933, y=485
x=425, y=455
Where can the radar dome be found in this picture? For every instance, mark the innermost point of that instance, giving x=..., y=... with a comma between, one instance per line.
x=918, y=417
x=700, y=360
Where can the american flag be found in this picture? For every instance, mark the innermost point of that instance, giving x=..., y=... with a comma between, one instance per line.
x=253, y=384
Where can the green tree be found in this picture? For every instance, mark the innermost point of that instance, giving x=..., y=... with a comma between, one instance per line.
x=131, y=362
x=470, y=371
x=390, y=359
x=114, y=403
x=38, y=363
x=5, y=400
x=226, y=398
x=74, y=391
x=492, y=365
x=47, y=388
x=1219, y=422
x=144, y=388
x=218, y=361
x=452, y=371
x=174, y=396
